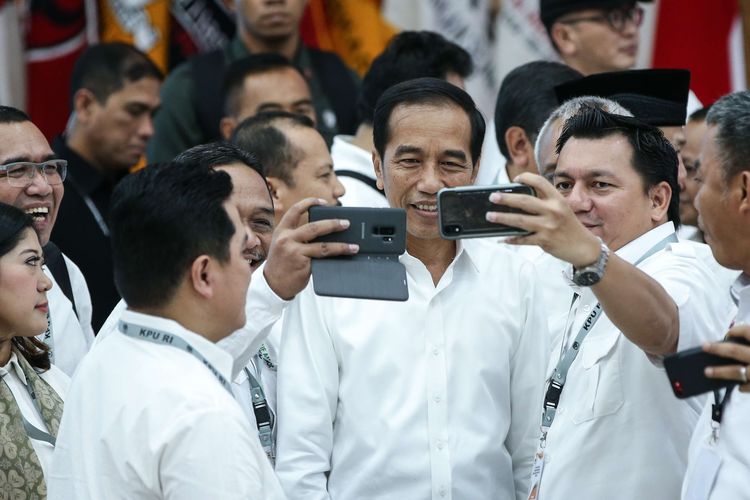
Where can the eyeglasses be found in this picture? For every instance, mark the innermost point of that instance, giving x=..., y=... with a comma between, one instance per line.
x=616, y=18
x=21, y=173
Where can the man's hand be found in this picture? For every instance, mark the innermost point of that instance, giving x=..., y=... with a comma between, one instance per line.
x=556, y=228
x=287, y=268
x=733, y=350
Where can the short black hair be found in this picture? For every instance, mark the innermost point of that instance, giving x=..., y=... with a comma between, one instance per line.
x=13, y=225
x=240, y=69
x=409, y=55
x=527, y=98
x=219, y=154
x=106, y=68
x=9, y=114
x=162, y=218
x=426, y=91
x=653, y=158
x=699, y=115
x=260, y=135
x=731, y=116
x=13, y=222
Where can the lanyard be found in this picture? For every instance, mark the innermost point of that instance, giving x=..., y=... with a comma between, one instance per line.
x=560, y=373
x=49, y=339
x=717, y=412
x=32, y=431
x=165, y=338
x=263, y=416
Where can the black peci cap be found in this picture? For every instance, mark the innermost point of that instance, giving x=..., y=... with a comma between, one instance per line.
x=655, y=96
x=552, y=10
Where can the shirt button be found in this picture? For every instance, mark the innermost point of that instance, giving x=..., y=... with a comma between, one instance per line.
x=440, y=445
x=586, y=308
x=437, y=398
x=435, y=351
x=443, y=491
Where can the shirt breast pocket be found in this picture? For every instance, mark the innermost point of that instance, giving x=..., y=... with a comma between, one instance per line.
x=602, y=392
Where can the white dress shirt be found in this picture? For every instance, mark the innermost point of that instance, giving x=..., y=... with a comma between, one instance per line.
x=347, y=156
x=619, y=432
x=433, y=398
x=151, y=421
x=733, y=446
x=12, y=374
x=72, y=334
x=264, y=310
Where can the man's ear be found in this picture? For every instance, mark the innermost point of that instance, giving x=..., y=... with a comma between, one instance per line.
x=278, y=190
x=564, y=38
x=520, y=148
x=378, y=166
x=744, y=185
x=660, y=196
x=227, y=126
x=84, y=103
x=201, y=276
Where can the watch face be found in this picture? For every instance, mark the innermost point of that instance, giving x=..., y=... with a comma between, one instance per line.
x=587, y=278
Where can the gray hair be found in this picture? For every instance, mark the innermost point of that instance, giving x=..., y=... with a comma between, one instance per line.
x=571, y=108
x=731, y=116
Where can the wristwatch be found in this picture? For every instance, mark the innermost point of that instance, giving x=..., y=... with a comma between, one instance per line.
x=592, y=274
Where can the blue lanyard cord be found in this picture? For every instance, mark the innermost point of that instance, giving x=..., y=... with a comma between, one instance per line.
x=166, y=338
x=560, y=373
x=32, y=431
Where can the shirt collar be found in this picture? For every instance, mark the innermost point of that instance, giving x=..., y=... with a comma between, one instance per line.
x=740, y=292
x=13, y=365
x=631, y=252
x=236, y=49
x=634, y=250
x=219, y=358
x=466, y=251
x=354, y=157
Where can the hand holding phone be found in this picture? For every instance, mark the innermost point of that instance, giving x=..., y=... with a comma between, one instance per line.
x=687, y=369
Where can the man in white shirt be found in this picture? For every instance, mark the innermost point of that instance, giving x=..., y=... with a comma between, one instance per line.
x=165, y=423
x=435, y=397
x=719, y=460
x=255, y=346
x=69, y=334
x=410, y=54
x=608, y=410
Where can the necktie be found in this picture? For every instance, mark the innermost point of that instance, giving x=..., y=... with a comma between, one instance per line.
x=20, y=471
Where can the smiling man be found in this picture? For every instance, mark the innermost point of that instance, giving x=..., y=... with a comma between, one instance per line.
x=164, y=422
x=31, y=178
x=114, y=93
x=638, y=295
x=433, y=397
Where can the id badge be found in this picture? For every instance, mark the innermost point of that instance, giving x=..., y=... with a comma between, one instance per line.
x=705, y=470
x=536, y=474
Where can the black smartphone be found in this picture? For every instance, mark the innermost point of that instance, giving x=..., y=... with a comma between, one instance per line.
x=685, y=370
x=462, y=211
x=375, y=230
x=375, y=272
